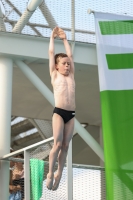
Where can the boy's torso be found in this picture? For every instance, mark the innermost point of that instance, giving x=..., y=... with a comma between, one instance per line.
x=64, y=90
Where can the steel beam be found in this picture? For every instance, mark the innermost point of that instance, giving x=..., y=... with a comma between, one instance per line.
x=26, y=16
x=26, y=47
x=19, y=13
x=47, y=26
x=47, y=15
x=73, y=20
x=2, y=25
x=21, y=127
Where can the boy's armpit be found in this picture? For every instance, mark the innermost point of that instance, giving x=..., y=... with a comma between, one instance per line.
x=53, y=73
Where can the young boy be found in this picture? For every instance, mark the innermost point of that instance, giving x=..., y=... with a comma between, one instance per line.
x=61, y=68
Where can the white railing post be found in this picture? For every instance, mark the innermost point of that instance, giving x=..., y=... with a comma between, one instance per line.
x=69, y=173
x=27, y=174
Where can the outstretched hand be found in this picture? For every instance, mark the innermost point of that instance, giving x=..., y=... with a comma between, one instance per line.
x=61, y=34
x=58, y=32
x=55, y=32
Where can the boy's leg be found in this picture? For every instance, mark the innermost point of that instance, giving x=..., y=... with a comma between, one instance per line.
x=68, y=133
x=58, y=127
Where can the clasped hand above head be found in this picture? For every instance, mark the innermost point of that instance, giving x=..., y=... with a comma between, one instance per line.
x=58, y=32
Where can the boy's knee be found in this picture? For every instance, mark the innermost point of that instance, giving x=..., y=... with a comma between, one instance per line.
x=58, y=145
x=65, y=146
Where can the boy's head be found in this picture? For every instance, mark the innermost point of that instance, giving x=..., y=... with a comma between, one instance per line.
x=62, y=63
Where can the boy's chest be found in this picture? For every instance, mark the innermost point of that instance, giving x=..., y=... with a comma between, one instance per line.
x=63, y=81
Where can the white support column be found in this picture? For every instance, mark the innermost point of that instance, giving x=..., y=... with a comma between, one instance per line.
x=48, y=16
x=26, y=16
x=69, y=173
x=6, y=68
x=49, y=96
x=27, y=174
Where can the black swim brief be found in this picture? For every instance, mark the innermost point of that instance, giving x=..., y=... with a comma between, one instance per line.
x=65, y=114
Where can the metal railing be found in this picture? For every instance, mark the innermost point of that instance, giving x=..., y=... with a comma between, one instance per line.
x=74, y=176
x=26, y=151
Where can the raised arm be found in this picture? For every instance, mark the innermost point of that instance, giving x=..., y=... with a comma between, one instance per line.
x=62, y=35
x=51, y=52
x=69, y=53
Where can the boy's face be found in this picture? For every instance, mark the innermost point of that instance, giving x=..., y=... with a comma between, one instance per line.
x=63, y=66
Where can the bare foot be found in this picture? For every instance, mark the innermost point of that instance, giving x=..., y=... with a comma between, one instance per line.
x=56, y=182
x=49, y=182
